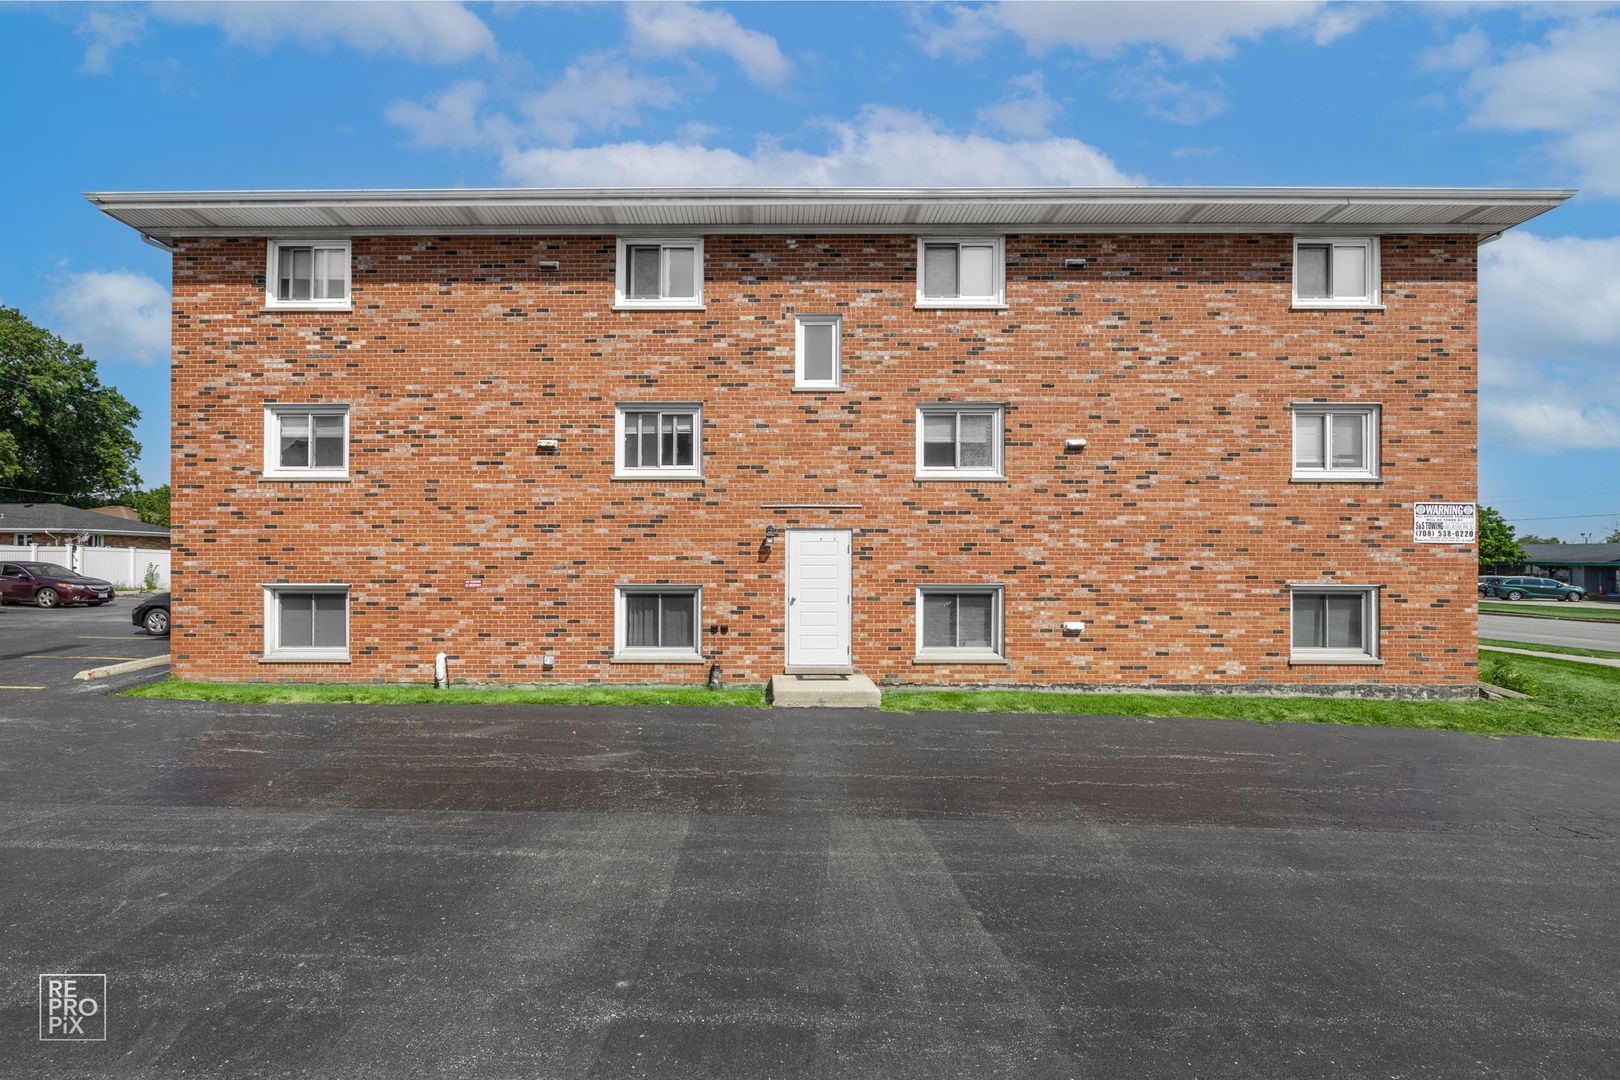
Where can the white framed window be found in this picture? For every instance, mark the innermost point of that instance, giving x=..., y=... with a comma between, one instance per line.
x=22, y=539
x=1333, y=624
x=659, y=440
x=658, y=624
x=959, y=441
x=818, y=352
x=310, y=275
x=1335, y=442
x=306, y=623
x=659, y=273
x=306, y=442
x=95, y=540
x=959, y=623
x=1336, y=272
x=962, y=272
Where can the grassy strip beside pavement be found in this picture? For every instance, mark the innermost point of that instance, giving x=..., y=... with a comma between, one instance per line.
x=1550, y=609
x=1568, y=699
x=365, y=694
x=1562, y=650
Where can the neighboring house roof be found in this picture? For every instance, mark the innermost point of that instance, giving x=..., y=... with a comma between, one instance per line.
x=1571, y=554
x=58, y=518
x=162, y=215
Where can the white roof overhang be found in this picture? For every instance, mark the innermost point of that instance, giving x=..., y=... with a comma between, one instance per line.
x=163, y=215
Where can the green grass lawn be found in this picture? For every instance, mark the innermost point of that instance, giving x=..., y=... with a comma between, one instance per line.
x=1536, y=646
x=364, y=694
x=1568, y=698
x=1550, y=609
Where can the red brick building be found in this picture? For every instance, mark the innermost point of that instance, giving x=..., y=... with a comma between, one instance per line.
x=1164, y=438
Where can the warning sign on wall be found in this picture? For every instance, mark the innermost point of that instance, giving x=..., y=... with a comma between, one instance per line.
x=1444, y=523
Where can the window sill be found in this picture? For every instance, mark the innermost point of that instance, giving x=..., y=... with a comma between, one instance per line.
x=300, y=478
x=818, y=390
x=1366, y=478
x=657, y=658
x=661, y=305
x=964, y=657
x=313, y=656
x=961, y=305
x=961, y=478
x=339, y=308
x=1359, y=305
x=657, y=478
x=1340, y=660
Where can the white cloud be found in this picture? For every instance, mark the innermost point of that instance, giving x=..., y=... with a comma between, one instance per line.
x=108, y=31
x=436, y=32
x=1550, y=327
x=675, y=29
x=1193, y=29
x=1026, y=110
x=117, y=315
x=1566, y=87
x=597, y=94
x=881, y=146
x=1166, y=98
x=450, y=119
x=1462, y=52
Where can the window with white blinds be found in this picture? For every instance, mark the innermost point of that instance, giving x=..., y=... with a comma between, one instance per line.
x=818, y=359
x=956, y=622
x=306, y=442
x=306, y=622
x=308, y=274
x=1336, y=272
x=959, y=441
x=966, y=272
x=1338, y=624
x=1335, y=442
x=660, y=273
x=658, y=623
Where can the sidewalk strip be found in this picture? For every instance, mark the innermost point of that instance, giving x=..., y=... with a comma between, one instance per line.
x=119, y=669
x=1599, y=660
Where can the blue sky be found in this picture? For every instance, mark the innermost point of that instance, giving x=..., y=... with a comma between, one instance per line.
x=204, y=95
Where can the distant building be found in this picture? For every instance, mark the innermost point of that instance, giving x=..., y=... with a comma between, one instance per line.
x=1591, y=566
x=52, y=524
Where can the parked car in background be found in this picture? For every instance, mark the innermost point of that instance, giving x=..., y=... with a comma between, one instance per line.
x=1525, y=588
x=1486, y=584
x=152, y=614
x=49, y=585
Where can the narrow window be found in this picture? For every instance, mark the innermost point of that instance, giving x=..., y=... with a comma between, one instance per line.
x=959, y=622
x=22, y=539
x=660, y=273
x=306, y=622
x=818, y=352
x=960, y=273
x=305, y=442
x=1336, y=273
x=1336, y=625
x=660, y=440
x=959, y=441
x=658, y=623
x=313, y=274
x=1335, y=442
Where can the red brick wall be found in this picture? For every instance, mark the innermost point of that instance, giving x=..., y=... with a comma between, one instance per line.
x=1173, y=535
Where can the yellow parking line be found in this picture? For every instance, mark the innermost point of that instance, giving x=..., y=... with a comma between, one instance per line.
x=59, y=656
x=21, y=688
x=105, y=637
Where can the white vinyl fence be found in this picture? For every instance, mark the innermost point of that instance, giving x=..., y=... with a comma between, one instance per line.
x=125, y=567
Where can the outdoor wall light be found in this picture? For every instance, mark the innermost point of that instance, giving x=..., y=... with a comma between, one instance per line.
x=1074, y=628
x=770, y=536
x=546, y=446
x=548, y=265
x=1075, y=264
x=1074, y=444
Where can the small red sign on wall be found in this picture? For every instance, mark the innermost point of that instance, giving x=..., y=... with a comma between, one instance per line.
x=473, y=583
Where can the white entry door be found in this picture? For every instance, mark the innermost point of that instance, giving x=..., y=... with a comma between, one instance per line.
x=818, y=598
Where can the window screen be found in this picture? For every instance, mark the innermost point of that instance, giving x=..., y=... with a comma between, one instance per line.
x=959, y=620
x=660, y=620
x=312, y=273
x=313, y=620
x=1330, y=621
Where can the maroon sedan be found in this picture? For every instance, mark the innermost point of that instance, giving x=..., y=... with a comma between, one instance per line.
x=49, y=585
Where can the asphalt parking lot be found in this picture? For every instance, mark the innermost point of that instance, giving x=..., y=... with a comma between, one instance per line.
x=41, y=649
x=340, y=891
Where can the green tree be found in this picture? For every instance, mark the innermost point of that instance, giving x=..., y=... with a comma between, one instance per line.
x=1530, y=538
x=1614, y=535
x=63, y=436
x=153, y=506
x=1497, y=547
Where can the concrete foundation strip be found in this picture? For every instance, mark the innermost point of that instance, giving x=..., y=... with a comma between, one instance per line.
x=119, y=669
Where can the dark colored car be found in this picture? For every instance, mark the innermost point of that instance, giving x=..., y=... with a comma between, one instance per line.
x=153, y=614
x=49, y=585
x=1486, y=584
x=1522, y=588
